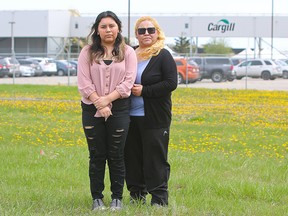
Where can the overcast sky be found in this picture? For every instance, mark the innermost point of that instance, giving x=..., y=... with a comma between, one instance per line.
x=153, y=6
x=156, y=7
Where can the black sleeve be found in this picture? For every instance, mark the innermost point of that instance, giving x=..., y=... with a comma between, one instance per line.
x=167, y=66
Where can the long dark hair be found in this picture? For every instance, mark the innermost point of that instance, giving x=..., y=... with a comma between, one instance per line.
x=97, y=51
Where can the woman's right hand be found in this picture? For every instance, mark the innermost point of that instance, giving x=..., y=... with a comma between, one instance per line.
x=137, y=89
x=101, y=102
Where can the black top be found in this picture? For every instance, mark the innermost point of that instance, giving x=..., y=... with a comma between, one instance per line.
x=107, y=62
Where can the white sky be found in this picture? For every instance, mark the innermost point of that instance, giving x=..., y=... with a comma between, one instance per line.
x=156, y=7
x=153, y=6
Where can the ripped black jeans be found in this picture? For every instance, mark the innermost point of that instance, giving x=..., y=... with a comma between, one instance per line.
x=106, y=141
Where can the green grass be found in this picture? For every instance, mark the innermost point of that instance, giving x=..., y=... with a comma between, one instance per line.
x=228, y=154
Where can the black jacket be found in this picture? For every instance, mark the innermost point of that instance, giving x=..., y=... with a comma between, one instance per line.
x=159, y=79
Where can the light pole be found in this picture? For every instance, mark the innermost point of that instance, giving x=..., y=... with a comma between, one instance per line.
x=128, y=21
x=272, y=29
x=12, y=48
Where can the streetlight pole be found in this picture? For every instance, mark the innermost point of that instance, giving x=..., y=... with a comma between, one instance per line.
x=272, y=29
x=12, y=47
x=129, y=22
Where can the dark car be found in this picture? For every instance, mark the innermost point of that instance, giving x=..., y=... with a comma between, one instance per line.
x=64, y=68
x=74, y=62
x=4, y=70
x=236, y=61
x=32, y=63
x=217, y=69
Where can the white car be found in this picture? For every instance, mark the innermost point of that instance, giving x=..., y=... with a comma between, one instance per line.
x=27, y=71
x=48, y=66
x=284, y=67
x=258, y=68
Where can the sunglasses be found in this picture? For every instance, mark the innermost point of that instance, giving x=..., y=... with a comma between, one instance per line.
x=150, y=30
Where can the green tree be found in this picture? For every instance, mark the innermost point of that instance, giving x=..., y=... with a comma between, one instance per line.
x=128, y=42
x=182, y=45
x=76, y=44
x=217, y=46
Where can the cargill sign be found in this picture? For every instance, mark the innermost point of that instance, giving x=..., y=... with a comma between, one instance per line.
x=222, y=26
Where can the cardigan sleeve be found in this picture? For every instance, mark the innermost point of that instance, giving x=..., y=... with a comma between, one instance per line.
x=167, y=70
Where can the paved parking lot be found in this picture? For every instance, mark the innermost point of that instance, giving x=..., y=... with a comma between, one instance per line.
x=249, y=83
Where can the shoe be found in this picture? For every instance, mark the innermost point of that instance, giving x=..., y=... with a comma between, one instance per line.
x=98, y=204
x=115, y=205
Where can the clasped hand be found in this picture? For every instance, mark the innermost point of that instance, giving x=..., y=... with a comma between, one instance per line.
x=101, y=102
x=102, y=106
x=105, y=112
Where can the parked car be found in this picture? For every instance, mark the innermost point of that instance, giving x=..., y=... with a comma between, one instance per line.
x=237, y=60
x=186, y=72
x=285, y=60
x=48, y=65
x=64, y=68
x=284, y=67
x=4, y=70
x=74, y=62
x=34, y=64
x=258, y=68
x=27, y=71
x=217, y=69
x=13, y=65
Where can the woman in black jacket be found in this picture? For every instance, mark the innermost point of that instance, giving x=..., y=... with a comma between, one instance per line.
x=146, y=150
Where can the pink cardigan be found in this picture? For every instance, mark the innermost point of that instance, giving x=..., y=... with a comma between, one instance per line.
x=104, y=78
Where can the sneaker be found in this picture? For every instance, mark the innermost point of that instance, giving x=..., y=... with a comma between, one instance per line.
x=98, y=204
x=116, y=205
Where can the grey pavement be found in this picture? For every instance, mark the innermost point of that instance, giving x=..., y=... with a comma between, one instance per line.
x=249, y=83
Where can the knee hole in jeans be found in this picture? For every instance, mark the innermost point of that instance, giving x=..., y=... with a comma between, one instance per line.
x=118, y=134
x=87, y=128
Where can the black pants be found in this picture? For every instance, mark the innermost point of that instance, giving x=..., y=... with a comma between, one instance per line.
x=147, y=169
x=106, y=141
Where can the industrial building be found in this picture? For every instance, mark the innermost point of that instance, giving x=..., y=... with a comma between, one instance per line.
x=49, y=32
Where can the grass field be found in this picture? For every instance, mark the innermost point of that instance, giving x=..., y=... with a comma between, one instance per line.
x=228, y=154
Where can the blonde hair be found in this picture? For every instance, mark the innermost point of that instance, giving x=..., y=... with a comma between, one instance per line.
x=158, y=45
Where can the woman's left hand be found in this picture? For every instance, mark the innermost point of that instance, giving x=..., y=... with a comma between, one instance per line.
x=105, y=112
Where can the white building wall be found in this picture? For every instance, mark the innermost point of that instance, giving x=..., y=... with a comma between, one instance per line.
x=27, y=23
x=81, y=26
x=59, y=23
x=35, y=23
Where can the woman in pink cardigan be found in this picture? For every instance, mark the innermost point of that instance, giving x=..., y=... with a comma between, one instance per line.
x=106, y=73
